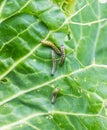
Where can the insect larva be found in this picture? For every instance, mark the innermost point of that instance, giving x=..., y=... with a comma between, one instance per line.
x=54, y=94
x=48, y=43
x=53, y=63
x=62, y=55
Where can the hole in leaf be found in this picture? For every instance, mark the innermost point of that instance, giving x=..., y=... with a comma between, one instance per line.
x=5, y=80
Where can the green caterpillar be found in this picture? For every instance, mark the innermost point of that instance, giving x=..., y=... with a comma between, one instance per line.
x=53, y=63
x=62, y=59
x=54, y=94
x=48, y=43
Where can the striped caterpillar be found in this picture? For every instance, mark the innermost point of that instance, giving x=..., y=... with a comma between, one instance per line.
x=54, y=94
x=62, y=55
x=53, y=63
x=48, y=43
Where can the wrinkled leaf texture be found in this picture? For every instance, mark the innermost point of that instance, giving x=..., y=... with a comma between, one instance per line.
x=26, y=85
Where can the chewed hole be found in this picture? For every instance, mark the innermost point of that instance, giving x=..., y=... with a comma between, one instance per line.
x=75, y=78
x=5, y=80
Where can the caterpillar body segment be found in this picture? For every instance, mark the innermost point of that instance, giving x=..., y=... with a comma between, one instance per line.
x=53, y=63
x=48, y=43
x=62, y=59
x=54, y=94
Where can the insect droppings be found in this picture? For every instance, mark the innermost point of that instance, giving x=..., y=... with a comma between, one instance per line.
x=54, y=94
x=62, y=55
x=48, y=43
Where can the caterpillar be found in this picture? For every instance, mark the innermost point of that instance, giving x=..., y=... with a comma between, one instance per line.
x=48, y=43
x=53, y=63
x=54, y=94
x=62, y=55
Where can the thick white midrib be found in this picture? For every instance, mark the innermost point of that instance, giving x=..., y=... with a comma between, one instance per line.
x=16, y=11
x=46, y=83
x=46, y=114
x=19, y=61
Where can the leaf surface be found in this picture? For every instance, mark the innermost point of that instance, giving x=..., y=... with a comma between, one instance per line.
x=26, y=84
